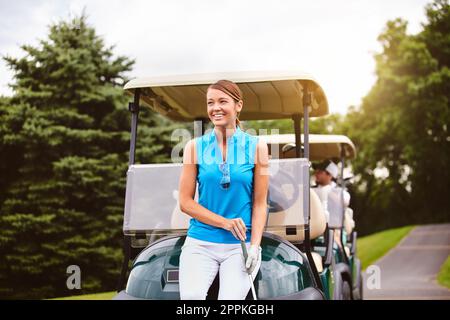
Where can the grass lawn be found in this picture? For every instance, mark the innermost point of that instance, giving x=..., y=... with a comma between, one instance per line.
x=370, y=249
x=95, y=296
x=374, y=246
x=444, y=274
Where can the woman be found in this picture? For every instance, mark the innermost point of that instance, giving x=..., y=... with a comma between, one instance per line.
x=231, y=169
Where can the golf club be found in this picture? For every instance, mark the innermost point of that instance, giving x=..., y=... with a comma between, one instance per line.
x=244, y=252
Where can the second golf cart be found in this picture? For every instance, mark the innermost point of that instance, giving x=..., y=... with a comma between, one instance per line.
x=340, y=235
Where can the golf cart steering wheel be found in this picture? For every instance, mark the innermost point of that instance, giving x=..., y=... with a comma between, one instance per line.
x=277, y=200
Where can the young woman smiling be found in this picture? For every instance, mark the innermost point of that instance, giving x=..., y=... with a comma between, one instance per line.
x=230, y=167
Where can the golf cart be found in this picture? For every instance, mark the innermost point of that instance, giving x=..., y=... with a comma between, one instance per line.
x=155, y=228
x=345, y=265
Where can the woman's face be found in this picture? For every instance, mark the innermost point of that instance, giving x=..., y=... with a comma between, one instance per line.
x=222, y=109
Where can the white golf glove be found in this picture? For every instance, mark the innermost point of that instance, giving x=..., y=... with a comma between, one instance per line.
x=252, y=259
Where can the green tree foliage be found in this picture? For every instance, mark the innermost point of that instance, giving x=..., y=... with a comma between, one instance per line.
x=64, y=143
x=322, y=125
x=401, y=127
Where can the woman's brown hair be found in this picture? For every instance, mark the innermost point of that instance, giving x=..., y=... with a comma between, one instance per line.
x=230, y=88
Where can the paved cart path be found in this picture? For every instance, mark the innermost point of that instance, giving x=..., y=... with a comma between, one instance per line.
x=409, y=271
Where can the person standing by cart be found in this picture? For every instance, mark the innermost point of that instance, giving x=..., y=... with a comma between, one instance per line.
x=231, y=169
x=325, y=175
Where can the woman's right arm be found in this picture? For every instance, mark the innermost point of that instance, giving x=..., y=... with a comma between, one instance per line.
x=189, y=206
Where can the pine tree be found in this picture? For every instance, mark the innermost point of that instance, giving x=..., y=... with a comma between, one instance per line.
x=64, y=141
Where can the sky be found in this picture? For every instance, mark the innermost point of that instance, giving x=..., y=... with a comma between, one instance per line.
x=332, y=40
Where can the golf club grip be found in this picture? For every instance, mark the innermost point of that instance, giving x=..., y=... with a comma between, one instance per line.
x=244, y=250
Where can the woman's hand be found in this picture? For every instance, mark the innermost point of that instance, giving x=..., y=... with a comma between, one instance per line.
x=253, y=258
x=237, y=228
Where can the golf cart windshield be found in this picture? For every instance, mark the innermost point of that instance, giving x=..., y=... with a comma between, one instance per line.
x=152, y=206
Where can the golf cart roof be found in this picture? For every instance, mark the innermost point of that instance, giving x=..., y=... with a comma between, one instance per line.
x=322, y=146
x=267, y=95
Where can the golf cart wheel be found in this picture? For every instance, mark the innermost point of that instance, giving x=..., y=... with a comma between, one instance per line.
x=358, y=289
x=346, y=291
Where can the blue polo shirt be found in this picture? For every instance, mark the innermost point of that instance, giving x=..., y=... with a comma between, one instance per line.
x=237, y=200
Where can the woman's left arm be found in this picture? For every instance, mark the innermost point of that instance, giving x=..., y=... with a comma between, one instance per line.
x=260, y=189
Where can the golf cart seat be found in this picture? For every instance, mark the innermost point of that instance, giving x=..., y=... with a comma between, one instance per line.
x=317, y=261
x=295, y=234
x=287, y=218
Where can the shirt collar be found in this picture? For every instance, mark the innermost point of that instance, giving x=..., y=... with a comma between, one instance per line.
x=236, y=135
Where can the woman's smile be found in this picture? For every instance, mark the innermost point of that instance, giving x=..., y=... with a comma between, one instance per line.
x=218, y=115
x=221, y=108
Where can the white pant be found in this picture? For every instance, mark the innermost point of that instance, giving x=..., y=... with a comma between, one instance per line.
x=199, y=263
